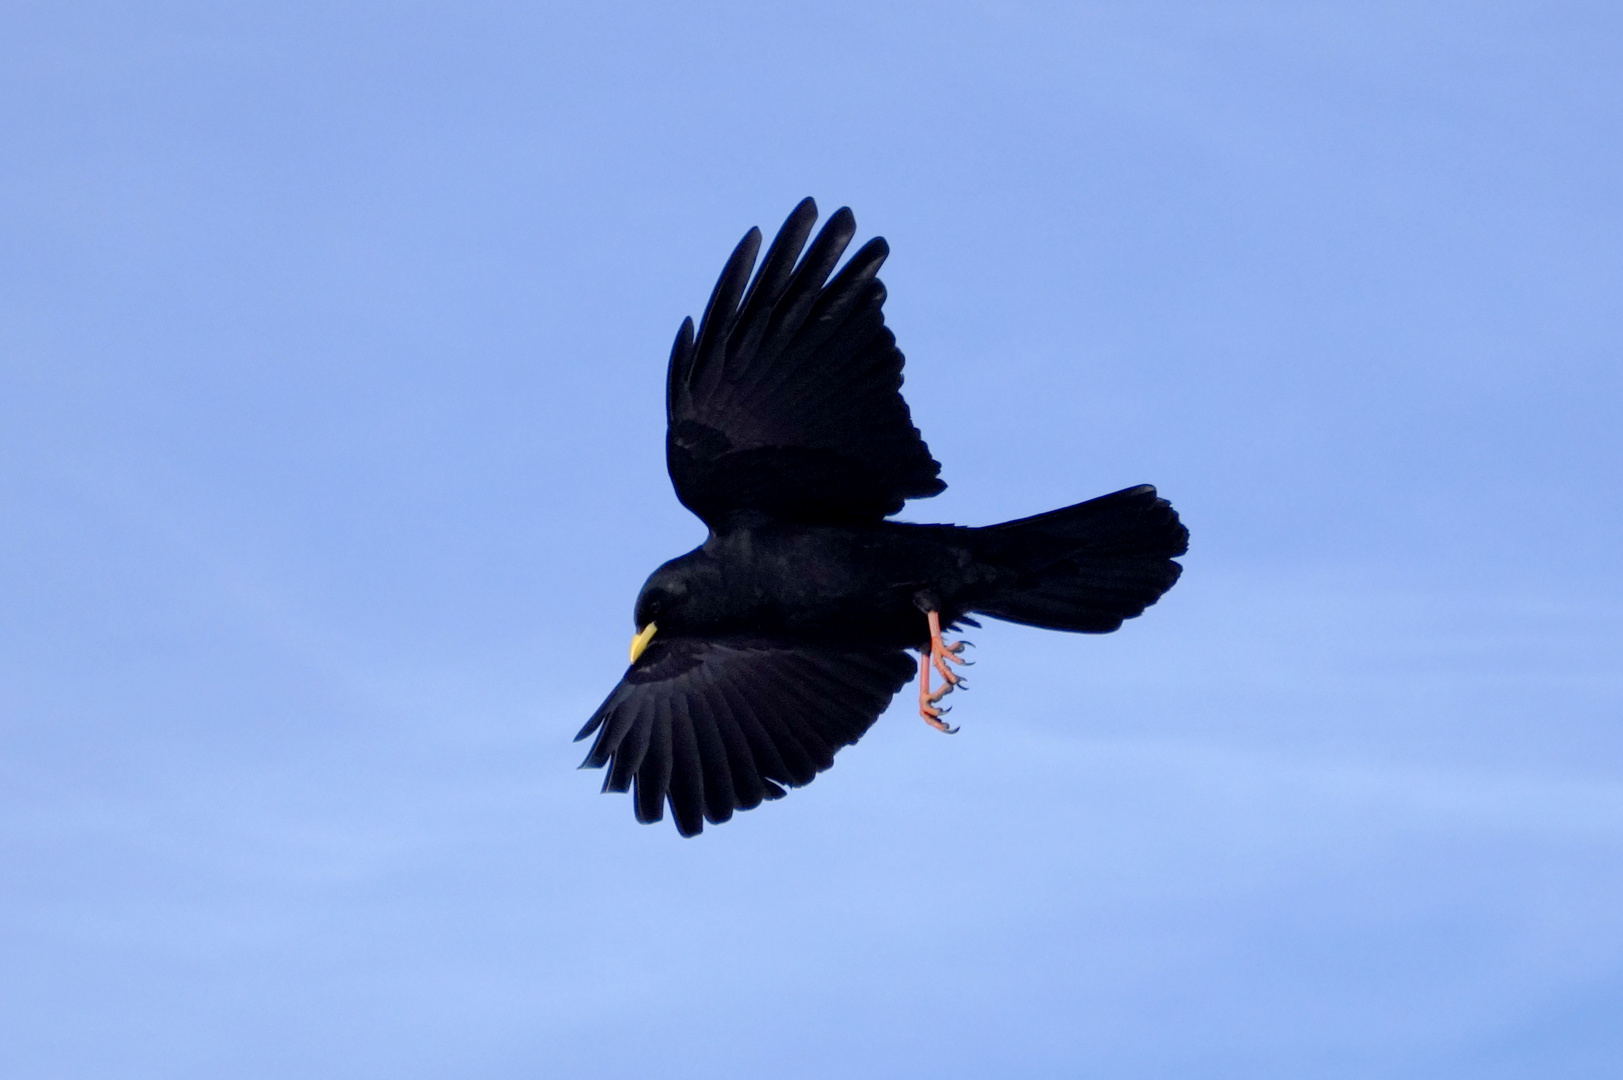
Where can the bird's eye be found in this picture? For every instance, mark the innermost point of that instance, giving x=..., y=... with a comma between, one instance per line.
x=649, y=606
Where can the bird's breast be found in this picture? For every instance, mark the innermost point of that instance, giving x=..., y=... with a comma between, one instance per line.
x=828, y=582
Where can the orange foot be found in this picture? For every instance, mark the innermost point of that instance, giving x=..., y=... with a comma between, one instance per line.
x=939, y=656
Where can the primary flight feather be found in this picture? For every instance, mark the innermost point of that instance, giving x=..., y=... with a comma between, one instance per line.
x=782, y=637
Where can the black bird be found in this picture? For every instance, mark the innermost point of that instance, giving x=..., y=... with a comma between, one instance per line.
x=782, y=637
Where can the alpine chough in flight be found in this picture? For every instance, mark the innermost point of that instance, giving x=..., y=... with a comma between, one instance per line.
x=782, y=637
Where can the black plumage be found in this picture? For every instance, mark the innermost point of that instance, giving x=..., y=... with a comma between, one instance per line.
x=780, y=640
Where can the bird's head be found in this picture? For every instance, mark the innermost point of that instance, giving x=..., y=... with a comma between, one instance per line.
x=667, y=602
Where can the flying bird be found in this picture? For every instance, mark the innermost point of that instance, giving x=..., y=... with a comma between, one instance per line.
x=782, y=637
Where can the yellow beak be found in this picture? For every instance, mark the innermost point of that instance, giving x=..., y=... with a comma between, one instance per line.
x=640, y=642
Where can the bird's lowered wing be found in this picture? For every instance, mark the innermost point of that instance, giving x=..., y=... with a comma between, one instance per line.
x=788, y=401
x=719, y=724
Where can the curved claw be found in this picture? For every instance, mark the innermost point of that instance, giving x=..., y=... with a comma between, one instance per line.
x=933, y=718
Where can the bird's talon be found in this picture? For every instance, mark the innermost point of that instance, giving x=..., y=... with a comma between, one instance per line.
x=941, y=658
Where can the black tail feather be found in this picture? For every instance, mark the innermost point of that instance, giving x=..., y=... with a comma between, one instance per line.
x=1085, y=567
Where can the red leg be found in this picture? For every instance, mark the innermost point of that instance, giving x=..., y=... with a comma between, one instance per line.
x=941, y=652
x=934, y=659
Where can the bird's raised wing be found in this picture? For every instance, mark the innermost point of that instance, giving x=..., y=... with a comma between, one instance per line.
x=716, y=725
x=788, y=401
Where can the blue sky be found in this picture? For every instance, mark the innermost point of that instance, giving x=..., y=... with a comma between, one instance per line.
x=331, y=355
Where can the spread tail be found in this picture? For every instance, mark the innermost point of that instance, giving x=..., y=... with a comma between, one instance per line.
x=1084, y=567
